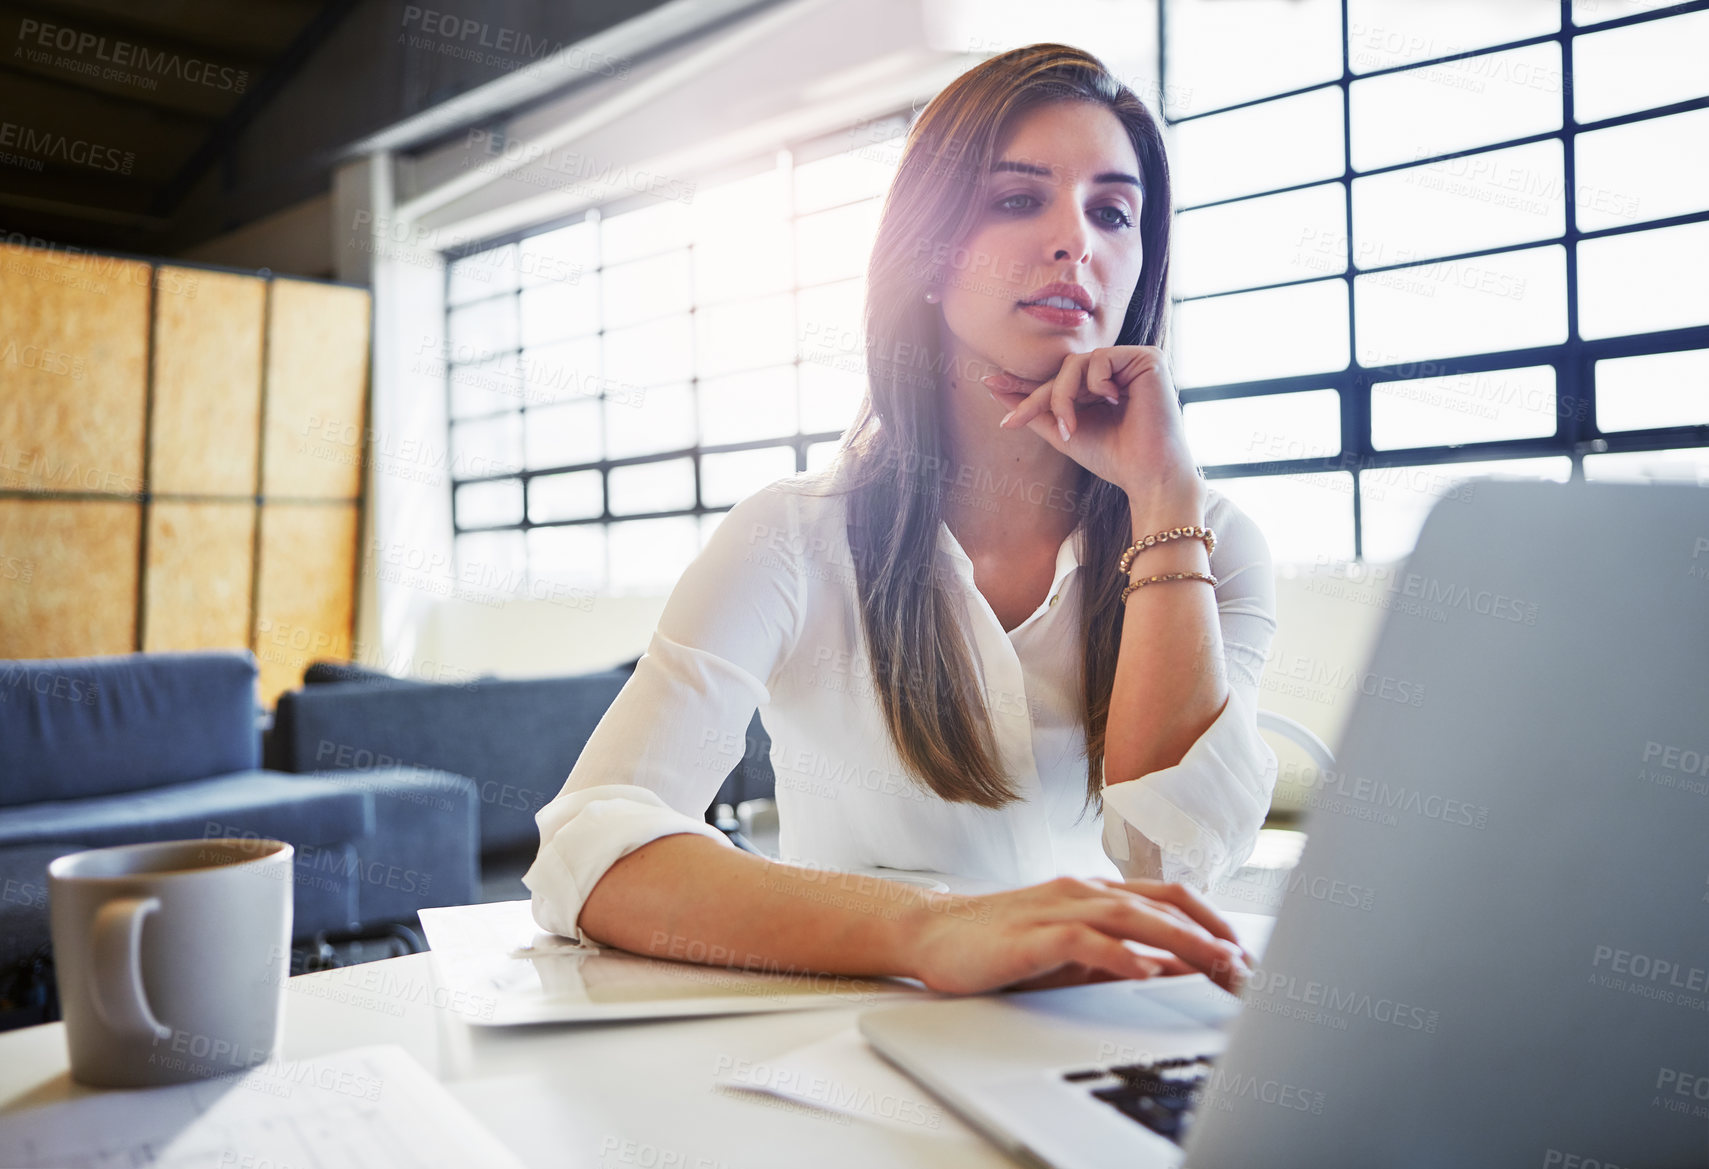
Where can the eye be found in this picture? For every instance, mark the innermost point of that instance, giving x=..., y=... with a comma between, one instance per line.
x=1006, y=203
x=1121, y=218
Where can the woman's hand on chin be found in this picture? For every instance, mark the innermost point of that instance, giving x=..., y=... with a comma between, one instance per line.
x=1068, y=931
x=1129, y=433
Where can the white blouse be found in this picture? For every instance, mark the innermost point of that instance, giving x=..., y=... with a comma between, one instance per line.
x=765, y=617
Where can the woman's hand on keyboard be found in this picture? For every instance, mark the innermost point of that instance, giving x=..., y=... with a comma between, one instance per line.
x=1071, y=930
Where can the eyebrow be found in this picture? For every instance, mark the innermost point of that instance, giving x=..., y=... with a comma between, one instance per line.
x=1027, y=168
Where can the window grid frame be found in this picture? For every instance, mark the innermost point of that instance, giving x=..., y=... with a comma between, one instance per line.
x=1576, y=431
x=785, y=160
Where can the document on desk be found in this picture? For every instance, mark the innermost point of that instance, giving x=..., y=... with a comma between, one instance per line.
x=510, y=972
x=366, y=1108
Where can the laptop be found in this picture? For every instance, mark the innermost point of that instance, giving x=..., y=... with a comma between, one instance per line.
x=1524, y=978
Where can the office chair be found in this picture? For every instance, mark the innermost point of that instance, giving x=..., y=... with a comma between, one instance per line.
x=1300, y=734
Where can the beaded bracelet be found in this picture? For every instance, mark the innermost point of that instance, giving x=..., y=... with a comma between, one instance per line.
x=1189, y=533
x=1139, y=584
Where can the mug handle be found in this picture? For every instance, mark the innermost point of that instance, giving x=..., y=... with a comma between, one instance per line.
x=117, y=952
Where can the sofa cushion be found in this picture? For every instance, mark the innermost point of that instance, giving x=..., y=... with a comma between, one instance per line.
x=299, y=809
x=516, y=738
x=82, y=727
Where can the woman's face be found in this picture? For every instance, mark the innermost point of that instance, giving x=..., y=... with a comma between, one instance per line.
x=1061, y=204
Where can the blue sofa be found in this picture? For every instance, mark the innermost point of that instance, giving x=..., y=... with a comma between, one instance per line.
x=159, y=746
x=516, y=738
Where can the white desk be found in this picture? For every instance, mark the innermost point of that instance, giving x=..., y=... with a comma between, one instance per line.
x=609, y=1095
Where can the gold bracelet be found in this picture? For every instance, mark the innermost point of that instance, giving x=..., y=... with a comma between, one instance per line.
x=1189, y=533
x=1139, y=584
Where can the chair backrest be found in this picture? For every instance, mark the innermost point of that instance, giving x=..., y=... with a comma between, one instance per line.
x=74, y=727
x=1300, y=734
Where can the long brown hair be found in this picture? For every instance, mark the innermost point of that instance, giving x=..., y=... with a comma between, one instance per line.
x=892, y=458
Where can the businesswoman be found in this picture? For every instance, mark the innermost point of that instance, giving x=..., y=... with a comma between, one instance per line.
x=959, y=669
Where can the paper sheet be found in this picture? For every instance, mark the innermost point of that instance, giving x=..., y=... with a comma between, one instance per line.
x=366, y=1108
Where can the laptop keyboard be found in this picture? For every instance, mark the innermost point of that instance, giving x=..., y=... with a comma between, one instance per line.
x=1160, y=1095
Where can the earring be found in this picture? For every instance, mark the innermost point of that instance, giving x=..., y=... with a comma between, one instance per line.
x=931, y=296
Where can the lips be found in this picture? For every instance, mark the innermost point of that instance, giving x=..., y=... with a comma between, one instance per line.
x=1068, y=297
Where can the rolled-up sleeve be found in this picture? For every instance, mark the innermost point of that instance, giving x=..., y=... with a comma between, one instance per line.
x=679, y=724
x=1199, y=819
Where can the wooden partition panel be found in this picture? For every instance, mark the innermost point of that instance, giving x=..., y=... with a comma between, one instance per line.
x=74, y=367
x=68, y=577
x=206, y=426
x=317, y=380
x=200, y=574
x=304, y=598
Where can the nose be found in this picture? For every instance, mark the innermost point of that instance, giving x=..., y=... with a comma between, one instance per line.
x=1069, y=234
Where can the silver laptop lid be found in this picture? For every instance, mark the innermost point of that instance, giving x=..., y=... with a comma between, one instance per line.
x=1529, y=984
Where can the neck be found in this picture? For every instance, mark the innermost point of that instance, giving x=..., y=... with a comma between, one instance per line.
x=1003, y=489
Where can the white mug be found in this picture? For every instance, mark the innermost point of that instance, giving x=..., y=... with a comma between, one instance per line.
x=171, y=957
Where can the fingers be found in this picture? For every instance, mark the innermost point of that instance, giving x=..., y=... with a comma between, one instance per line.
x=1071, y=942
x=1144, y=922
x=1189, y=902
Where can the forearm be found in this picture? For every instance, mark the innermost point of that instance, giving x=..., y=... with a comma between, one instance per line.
x=690, y=898
x=1169, y=685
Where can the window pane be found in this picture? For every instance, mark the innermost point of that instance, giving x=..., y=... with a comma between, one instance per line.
x=567, y=255
x=655, y=228
x=569, y=369
x=830, y=329
x=1281, y=331
x=1276, y=144
x=843, y=178
x=1657, y=389
x=489, y=561
x=572, y=556
x=659, y=419
x=1459, y=205
x=738, y=206
x=482, y=274
x=744, y=335
x=746, y=406
x=829, y=397
x=1640, y=66
x=1641, y=281
x=1689, y=465
x=645, y=355
x=644, y=289
x=575, y=496
x=1506, y=301
x=1384, y=33
x=1596, y=11
x=734, y=475
x=1305, y=518
x=1265, y=428
x=751, y=257
x=486, y=388
x=647, y=556
x=561, y=309
x=1395, y=500
x=481, y=505
x=1261, y=241
x=486, y=446
x=562, y=436
x=663, y=486
x=709, y=522
x=482, y=329
x=1643, y=170
x=833, y=244
x=1464, y=407
x=821, y=454
x=1222, y=53
x=1435, y=109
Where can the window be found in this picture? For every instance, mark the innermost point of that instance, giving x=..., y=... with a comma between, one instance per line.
x=617, y=382
x=1417, y=242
